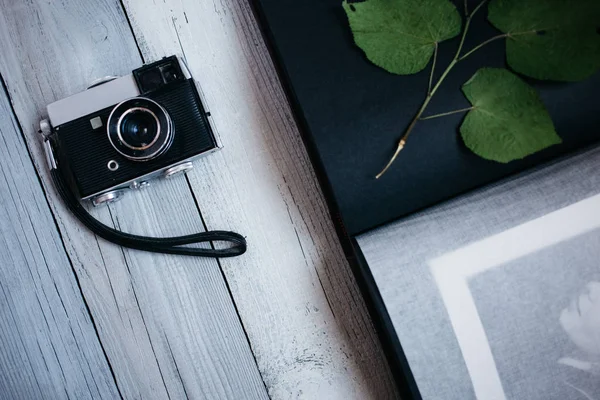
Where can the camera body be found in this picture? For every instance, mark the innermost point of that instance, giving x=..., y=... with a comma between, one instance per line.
x=122, y=133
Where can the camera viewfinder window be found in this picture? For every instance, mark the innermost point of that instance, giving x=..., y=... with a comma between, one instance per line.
x=150, y=80
x=170, y=73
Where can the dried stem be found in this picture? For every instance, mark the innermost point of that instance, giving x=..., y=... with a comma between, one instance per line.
x=404, y=138
x=402, y=141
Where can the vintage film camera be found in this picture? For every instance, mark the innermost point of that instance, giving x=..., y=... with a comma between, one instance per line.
x=121, y=133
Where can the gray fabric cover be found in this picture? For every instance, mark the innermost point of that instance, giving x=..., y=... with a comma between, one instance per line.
x=519, y=303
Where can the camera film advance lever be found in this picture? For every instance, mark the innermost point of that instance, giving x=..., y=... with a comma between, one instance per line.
x=120, y=134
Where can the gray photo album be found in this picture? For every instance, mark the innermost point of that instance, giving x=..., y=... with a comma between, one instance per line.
x=496, y=295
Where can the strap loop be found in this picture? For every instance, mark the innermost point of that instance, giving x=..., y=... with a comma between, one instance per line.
x=167, y=245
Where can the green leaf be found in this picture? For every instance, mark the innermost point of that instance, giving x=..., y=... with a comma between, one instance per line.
x=550, y=39
x=400, y=35
x=508, y=120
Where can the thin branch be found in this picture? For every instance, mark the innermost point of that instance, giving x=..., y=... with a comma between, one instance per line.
x=483, y=44
x=399, y=148
x=403, y=139
x=466, y=9
x=448, y=113
x=435, y=53
x=477, y=8
x=466, y=29
x=490, y=40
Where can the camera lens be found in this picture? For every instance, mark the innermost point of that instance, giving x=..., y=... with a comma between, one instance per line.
x=140, y=129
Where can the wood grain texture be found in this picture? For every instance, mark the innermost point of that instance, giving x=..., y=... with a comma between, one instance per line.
x=305, y=319
x=48, y=344
x=167, y=323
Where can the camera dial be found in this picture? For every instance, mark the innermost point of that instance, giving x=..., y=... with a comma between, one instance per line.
x=140, y=129
x=108, y=197
x=178, y=169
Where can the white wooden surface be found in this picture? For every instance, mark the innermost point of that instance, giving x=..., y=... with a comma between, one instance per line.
x=153, y=313
x=48, y=346
x=286, y=318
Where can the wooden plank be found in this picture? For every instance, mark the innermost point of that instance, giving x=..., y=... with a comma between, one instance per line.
x=304, y=316
x=167, y=323
x=39, y=293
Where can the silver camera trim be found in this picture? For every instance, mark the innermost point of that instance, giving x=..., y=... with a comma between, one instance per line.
x=160, y=173
x=112, y=165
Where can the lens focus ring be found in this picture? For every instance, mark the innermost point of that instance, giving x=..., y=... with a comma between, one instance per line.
x=140, y=129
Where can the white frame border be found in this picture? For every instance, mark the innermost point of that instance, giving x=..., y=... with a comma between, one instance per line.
x=452, y=271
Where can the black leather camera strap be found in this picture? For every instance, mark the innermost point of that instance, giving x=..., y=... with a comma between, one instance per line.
x=167, y=245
